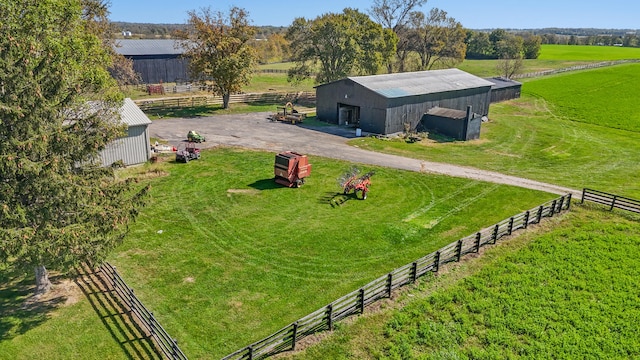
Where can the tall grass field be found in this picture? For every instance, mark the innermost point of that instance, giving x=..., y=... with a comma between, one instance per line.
x=568, y=293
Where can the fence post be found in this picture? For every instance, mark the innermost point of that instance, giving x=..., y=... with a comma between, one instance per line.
x=539, y=214
x=526, y=219
x=361, y=296
x=613, y=203
x=583, y=192
x=113, y=276
x=478, y=237
x=569, y=201
x=152, y=323
x=131, y=297
x=494, y=237
x=459, y=250
x=511, y=225
x=330, y=316
x=414, y=272
x=174, y=348
x=553, y=208
x=561, y=204
x=250, y=352
x=436, y=262
x=389, y=284
x=295, y=335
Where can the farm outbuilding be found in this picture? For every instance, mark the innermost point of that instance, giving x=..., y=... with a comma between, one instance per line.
x=155, y=60
x=383, y=104
x=457, y=124
x=134, y=147
x=504, y=89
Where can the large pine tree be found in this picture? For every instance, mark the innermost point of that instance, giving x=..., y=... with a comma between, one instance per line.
x=58, y=108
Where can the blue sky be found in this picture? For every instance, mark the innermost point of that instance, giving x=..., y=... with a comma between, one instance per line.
x=473, y=14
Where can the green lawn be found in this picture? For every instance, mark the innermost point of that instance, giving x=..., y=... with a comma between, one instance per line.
x=564, y=292
x=533, y=137
x=224, y=257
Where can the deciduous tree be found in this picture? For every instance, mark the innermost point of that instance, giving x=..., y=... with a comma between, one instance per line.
x=531, y=46
x=217, y=46
x=437, y=38
x=58, y=108
x=395, y=15
x=339, y=45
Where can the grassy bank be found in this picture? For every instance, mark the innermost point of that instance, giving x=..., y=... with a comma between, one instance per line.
x=564, y=292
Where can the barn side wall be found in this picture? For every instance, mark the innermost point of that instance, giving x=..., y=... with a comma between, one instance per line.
x=412, y=109
x=131, y=149
x=507, y=93
x=372, y=106
x=161, y=69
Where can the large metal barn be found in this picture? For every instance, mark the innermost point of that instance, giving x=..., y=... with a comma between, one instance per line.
x=383, y=104
x=155, y=60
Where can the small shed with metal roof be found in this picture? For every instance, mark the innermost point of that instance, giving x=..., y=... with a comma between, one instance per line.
x=383, y=104
x=156, y=60
x=504, y=89
x=134, y=147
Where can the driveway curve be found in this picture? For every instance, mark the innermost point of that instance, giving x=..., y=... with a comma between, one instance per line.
x=255, y=131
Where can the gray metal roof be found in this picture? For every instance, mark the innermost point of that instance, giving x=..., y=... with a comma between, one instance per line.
x=500, y=82
x=132, y=115
x=448, y=113
x=420, y=82
x=132, y=47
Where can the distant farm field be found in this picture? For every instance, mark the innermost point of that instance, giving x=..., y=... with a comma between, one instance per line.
x=225, y=257
x=587, y=53
x=606, y=96
x=568, y=293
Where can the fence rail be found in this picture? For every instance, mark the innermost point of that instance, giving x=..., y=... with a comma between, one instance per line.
x=611, y=200
x=382, y=287
x=145, y=318
x=193, y=101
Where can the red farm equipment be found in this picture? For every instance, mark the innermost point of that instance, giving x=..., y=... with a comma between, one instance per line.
x=291, y=168
x=351, y=181
x=187, y=152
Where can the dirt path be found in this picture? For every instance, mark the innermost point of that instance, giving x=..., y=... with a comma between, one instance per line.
x=256, y=131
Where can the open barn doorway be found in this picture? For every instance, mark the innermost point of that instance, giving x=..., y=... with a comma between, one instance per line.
x=348, y=115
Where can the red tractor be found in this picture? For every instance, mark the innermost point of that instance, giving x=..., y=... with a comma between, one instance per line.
x=291, y=168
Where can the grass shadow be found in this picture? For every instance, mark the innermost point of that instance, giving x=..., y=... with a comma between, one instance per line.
x=116, y=318
x=337, y=199
x=20, y=310
x=265, y=184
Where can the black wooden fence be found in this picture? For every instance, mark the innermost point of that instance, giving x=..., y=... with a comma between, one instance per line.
x=266, y=98
x=611, y=200
x=145, y=318
x=355, y=302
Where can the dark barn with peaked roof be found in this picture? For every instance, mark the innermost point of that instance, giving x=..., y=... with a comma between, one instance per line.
x=155, y=60
x=383, y=104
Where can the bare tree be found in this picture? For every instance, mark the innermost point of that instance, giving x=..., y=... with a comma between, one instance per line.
x=394, y=15
x=508, y=67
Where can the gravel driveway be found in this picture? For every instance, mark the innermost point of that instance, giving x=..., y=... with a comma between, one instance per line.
x=256, y=131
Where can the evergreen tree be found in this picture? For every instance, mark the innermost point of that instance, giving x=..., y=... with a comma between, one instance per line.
x=58, y=108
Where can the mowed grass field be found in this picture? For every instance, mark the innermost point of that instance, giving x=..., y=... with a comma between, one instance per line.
x=225, y=257
x=577, y=130
x=562, y=291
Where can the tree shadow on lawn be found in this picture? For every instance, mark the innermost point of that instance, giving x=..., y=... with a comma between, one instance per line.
x=20, y=310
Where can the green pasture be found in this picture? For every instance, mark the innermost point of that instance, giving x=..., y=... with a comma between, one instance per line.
x=587, y=53
x=606, y=96
x=225, y=257
x=533, y=137
x=564, y=292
